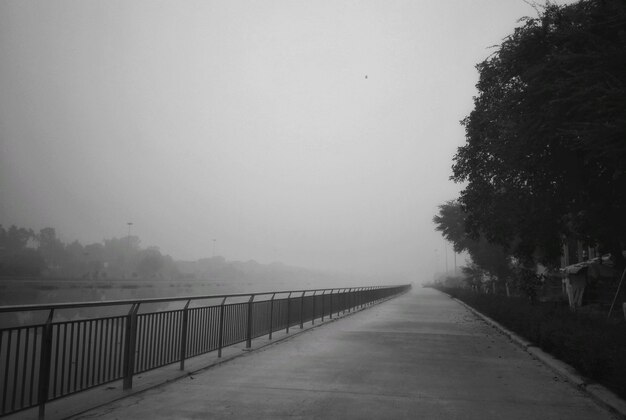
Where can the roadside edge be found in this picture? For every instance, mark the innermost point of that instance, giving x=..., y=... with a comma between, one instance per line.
x=597, y=392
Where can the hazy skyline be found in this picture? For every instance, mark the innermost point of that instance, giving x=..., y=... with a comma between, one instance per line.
x=318, y=133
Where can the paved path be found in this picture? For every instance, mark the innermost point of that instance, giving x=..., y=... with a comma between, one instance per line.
x=421, y=355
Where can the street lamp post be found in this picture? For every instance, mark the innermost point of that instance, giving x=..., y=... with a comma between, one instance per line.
x=454, y=260
x=128, y=240
x=445, y=249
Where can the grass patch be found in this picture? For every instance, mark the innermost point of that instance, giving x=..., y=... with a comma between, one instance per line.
x=594, y=346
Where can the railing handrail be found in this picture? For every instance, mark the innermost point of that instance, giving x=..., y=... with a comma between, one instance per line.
x=91, y=304
x=75, y=355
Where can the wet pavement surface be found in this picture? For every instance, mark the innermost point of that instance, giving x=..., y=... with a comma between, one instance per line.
x=421, y=355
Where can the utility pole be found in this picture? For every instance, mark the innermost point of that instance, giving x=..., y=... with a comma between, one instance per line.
x=445, y=248
x=454, y=261
x=129, y=225
x=128, y=240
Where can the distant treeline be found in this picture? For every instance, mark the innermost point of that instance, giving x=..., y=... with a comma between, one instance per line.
x=23, y=252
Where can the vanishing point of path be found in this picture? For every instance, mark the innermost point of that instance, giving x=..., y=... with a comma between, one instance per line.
x=419, y=356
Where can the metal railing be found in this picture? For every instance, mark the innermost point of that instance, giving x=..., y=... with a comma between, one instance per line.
x=53, y=359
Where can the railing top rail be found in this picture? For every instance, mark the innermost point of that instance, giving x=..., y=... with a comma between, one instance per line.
x=91, y=304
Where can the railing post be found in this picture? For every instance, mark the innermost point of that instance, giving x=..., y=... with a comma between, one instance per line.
x=313, y=316
x=288, y=312
x=340, y=302
x=302, y=310
x=183, y=335
x=331, y=303
x=345, y=300
x=129, y=351
x=249, y=329
x=272, y=315
x=44, y=365
x=220, y=334
x=323, y=296
x=349, y=300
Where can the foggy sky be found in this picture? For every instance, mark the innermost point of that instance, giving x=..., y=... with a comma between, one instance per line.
x=249, y=122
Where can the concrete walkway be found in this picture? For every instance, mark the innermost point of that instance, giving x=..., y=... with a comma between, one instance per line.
x=421, y=355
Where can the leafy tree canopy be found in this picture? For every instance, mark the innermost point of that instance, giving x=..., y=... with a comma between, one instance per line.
x=545, y=152
x=25, y=253
x=16, y=257
x=489, y=257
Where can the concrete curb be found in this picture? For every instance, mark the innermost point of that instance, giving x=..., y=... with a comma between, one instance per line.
x=597, y=392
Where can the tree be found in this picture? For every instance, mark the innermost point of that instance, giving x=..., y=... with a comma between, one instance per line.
x=451, y=223
x=17, y=257
x=15, y=238
x=545, y=153
x=473, y=275
x=151, y=262
x=52, y=249
x=493, y=259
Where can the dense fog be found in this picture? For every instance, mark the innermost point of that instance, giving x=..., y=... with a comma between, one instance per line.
x=316, y=134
